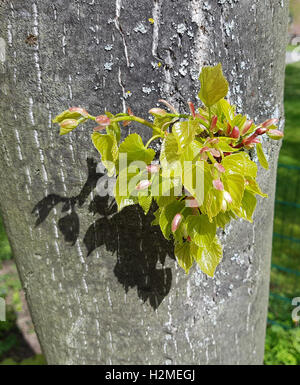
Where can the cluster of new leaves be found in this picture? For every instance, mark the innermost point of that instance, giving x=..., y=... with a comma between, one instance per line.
x=204, y=176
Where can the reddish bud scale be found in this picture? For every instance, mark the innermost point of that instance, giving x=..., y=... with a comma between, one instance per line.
x=214, y=152
x=214, y=121
x=192, y=109
x=99, y=128
x=261, y=131
x=228, y=130
x=129, y=111
x=247, y=127
x=219, y=167
x=235, y=133
x=269, y=122
x=157, y=111
x=103, y=120
x=176, y=222
x=189, y=239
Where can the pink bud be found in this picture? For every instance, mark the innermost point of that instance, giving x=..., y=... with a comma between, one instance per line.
x=69, y=123
x=80, y=110
x=143, y=184
x=214, y=152
x=99, y=128
x=261, y=131
x=235, y=133
x=213, y=140
x=218, y=185
x=176, y=222
x=269, y=122
x=213, y=124
x=191, y=202
x=219, y=167
x=192, y=109
x=275, y=134
x=227, y=196
x=157, y=111
x=247, y=127
x=204, y=149
x=103, y=120
x=153, y=168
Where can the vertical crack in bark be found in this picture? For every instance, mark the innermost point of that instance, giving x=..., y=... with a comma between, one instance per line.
x=119, y=28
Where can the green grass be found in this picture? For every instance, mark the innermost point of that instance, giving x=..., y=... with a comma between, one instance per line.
x=290, y=152
x=283, y=343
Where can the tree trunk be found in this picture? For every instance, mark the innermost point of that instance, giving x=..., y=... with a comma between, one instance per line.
x=104, y=287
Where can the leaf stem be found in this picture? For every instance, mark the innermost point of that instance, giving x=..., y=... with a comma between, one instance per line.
x=152, y=139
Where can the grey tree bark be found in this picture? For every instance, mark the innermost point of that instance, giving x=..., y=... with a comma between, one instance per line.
x=127, y=301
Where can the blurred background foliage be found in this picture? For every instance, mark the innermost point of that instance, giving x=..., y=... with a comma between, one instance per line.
x=18, y=343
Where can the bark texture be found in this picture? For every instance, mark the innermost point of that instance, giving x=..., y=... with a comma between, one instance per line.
x=128, y=302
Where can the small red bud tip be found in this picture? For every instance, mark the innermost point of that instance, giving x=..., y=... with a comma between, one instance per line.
x=129, y=111
x=80, y=110
x=158, y=111
x=153, y=168
x=227, y=196
x=261, y=131
x=69, y=123
x=269, y=122
x=189, y=239
x=192, y=109
x=103, y=120
x=176, y=222
x=213, y=124
x=247, y=126
x=126, y=123
x=235, y=133
x=219, y=167
x=143, y=184
x=218, y=185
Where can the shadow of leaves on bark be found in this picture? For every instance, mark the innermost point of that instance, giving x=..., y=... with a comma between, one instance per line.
x=139, y=246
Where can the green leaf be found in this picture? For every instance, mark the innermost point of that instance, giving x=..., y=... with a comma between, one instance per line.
x=214, y=86
x=224, y=146
x=121, y=193
x=66, y=115
x=241, y=164
x=261, y=156
x=252, y=185
x=214, y=203
x=201, y=231
x=209, y=257
x=184, y=133
x=194, y=180
x=134, y=147
x=169, y=149
x=235, y=185
x=145, y=202
x=108, y=148
x=163, y=122
x=227, y=109
x=185, y=255
x=248, y=205
x=222, y=219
